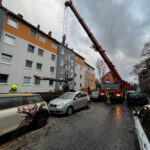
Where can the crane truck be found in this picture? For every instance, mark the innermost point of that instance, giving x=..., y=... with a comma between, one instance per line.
x=117, y=93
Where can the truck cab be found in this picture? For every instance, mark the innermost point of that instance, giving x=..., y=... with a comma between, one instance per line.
x=114, y=91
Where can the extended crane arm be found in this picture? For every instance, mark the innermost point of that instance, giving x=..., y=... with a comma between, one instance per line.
x=95, y=42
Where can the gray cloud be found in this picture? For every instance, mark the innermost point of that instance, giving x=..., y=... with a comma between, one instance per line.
x=121, y=26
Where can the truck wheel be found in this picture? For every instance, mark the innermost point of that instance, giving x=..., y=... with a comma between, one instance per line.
x=41, y=120
x=69, y=111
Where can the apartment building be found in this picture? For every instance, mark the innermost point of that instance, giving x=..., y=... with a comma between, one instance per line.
x=79, y=72
x=25, y=51
x=89, y=77
x=65, y=66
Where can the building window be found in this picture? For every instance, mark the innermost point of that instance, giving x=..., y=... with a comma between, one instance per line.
x=9, y=40
x=52, y=69
x=6, y=58
x=37, y=81
x=80, y=68
x=38, y=66
x=30, y=48
x=81, y=60
x=62, y=63
x=72, y=61
x=3, y=78
x=40, y=52
x=53, y=57
x=51, y=82
x=62, y=51
x=29, y=63
x=75, y=75
x=54, y=45
x=26, y=80
x=61, y=72
x=80, y=76
x=80, y=84
x=12, y=22
x=33, y=33
x=75, y=84
x=42, y=39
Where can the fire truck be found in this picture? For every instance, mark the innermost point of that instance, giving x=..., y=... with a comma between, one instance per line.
x=120, y=86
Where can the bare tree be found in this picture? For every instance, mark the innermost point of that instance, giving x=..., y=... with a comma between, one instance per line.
x=146, y=50
x=138, y=68
x=101, y=68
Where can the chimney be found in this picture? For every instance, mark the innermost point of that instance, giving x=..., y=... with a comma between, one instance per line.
x=20, y=16
x=50, y=33
x=38, y=27
x=0, y=2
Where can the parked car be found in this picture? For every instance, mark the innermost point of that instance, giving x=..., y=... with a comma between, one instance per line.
x=94, y=95
x=19, y=110
x=142, y=125
x=136, y=98
x=68, y=102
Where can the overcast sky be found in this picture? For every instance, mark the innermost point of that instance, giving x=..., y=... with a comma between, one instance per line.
x=121, y=27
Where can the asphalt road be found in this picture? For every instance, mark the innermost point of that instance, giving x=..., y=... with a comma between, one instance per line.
x=103, y=127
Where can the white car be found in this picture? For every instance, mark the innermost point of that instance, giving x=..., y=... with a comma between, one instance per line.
x=19, y=110
x=142, y=125
x=69, y=102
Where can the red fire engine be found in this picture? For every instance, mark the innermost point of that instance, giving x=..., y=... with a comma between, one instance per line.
x=122, y=85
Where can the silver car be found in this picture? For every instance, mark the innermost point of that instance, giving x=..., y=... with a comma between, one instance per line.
x=69, y=102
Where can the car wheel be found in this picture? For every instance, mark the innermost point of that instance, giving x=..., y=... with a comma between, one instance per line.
x=88, y=105
x=69, y=111
x=41, y=120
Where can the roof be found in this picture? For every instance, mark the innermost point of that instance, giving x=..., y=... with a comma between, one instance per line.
x=18, y=94
x=35, y=28
x=27, y=23
x=79, y=55
x=89, y=65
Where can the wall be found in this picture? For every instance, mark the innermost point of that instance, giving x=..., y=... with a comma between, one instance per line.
x=65, y=66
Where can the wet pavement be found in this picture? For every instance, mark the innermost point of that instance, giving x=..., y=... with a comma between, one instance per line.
x=102, y=127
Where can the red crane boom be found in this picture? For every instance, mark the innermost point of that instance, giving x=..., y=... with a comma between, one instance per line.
x=97, y=46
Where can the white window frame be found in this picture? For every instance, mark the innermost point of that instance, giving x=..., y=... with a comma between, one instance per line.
x=6, y=55
x=42, y=38
x=7, y=79
x=42, y=53
x=14, y=21
x=31, y=46
x=50, y=69
x=11, y=37
x=31, y=35
x=35, y=82
x=54, y=45
x=29, y=80
x=31, y=64
x=37, y=64
x=54, y=57
x=63, y=51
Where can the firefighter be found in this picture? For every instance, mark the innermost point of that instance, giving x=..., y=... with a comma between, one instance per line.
x=14, y=88
x=107, y=96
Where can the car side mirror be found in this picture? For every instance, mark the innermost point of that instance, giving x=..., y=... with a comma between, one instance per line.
x=135, y=113
x=75, y=98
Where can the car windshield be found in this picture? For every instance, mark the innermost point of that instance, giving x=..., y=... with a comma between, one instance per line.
x=136, y=94
x=68, y=95
x=95, y=92
x=110, y=86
